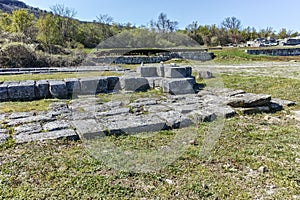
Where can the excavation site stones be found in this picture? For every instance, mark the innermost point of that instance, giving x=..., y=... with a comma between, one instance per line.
x=181, y=102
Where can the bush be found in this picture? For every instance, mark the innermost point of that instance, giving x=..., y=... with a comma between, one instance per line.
x=17, y=54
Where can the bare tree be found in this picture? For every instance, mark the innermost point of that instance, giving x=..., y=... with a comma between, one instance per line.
x=232, y=23
x=104, y=19
x=164, y=25
x=63, y=11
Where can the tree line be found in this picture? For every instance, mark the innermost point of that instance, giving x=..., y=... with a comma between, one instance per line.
x=60, y=28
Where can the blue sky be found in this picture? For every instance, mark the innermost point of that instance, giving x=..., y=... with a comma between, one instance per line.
x=257, y=13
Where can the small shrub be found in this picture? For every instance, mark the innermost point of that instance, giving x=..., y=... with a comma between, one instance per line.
x=17, y=54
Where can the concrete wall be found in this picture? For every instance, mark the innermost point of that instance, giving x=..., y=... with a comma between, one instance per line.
x=275, y=52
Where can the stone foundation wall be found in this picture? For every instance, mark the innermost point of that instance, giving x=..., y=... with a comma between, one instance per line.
x=202, y=56
x=275, y=52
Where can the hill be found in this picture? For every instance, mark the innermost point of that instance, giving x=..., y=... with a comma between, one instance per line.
x=9, y=5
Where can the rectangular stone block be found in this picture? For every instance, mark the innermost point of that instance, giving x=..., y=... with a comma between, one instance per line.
x=148, y=71
x=177, y=72
x=161, y=71
x=113, y=83
x=73, y=86
x=134, y=84
x=58, y=89
x=93, y=85
x=138, y=124
x=179, y=86
x=102, y=85
x=52, y=135
x=3, y=92
x=42, y=89
x=21, y=91
x=155, y=82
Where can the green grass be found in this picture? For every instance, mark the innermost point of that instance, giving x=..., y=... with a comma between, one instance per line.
x=58, y=76
x=238, y=55
x=37, y=105
x=65, y=169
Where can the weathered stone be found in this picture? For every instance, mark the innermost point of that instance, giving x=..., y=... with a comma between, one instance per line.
x=24, y=90
x=255, y=110
x=73, y=87
x=134, y=84
x=3, y=138
x=138, y=124
x=275, y=107
x=115, y=111
x=69, y=134
x=18, y=115
x=42, y=89
x=205, y=74
x=56, y=125
x=88, y=129
x=155, y=82
x=160, y=70
x=113, y=83
x=148, y=71
x=174, y=119
x=283, y=102
x=177, y=72
x=157, y=108
x=3, y=92
x=179, y=86
x=249, y=100
x=202, y=116
x=28, y=128
x=38, y=118
x=58, y=89
x=92, y=86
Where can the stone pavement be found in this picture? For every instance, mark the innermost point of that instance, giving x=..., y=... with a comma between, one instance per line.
x=86, y=117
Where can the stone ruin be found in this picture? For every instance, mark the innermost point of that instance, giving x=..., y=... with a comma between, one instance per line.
x=86, y=118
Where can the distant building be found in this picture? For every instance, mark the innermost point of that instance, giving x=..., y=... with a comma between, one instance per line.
x=290, y=41
x=262, y=42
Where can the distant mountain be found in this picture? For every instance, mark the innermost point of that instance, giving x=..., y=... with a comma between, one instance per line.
x=10, y=5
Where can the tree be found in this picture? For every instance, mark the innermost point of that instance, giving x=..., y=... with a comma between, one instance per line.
x=233, y=26
x=267, y=32
x=48, y=33
x=67, y=26
x=5, y=22
x=105, y=24
x=163, y=25
x=22, y=22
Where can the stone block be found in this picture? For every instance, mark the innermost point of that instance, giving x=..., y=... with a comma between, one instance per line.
x=248, y=100
x=174, y=119
x=3, y=92
x=134, y=84
x=113, y=83
x=28, y=128
x=73, y=87
x=205, y=74
x=69, y=134
x=21, y=91
x=177, y=72
x=88, y=129
x=138, y=124
x=42, y=89
x=93, y=85
x=160, y=70
x=202, y=116
x=58, y=89
x=56, y=125
x=148, y=71
x=155, y=81
x=179, y=86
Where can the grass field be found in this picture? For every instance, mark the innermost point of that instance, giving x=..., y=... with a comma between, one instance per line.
x=238, y=55
x=57, y=76
x=255, y=157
